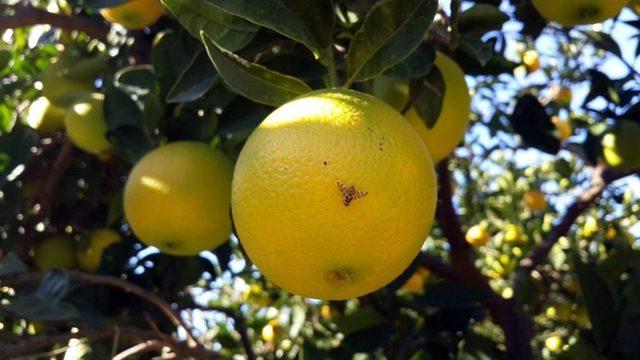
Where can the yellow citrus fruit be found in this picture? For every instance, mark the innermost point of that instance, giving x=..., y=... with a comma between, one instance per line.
x=535, y=200
x=392, y=90
x=59, y=86
x=531, y=60
x=579, y=12
x=415, y=283
x=85, y=124
x=326, y=312
x=563, y=128
x=512, y=233
x=453, y=121
x=45, y=117
x=55, y=252
x=590, y=227
x=336, y=185
x=611, y=233
x=620, y=147
x=273, y=332
x=177, y=198
x=478, y=235
x=134, y=14
x=635, y=6
x=89, y=259
x=554, y=343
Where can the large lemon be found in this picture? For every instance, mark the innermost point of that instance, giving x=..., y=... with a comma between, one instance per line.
x=333, y=195
x=134, y=14
x=620, y=146
x=45, y=117
x=453, y=121
x=55, y=252
x=579, y=12
x=177, y=198
x=90, y=258
x=85, y=124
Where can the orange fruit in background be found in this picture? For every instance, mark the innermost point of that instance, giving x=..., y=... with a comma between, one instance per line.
x=333, y=195
x=535, y=200
x=134, y=14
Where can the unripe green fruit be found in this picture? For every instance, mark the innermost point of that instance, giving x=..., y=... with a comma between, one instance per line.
x=45, y=117
x=620, y=146
x=86, y=126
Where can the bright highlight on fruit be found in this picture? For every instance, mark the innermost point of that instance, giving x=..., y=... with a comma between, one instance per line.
x=578, y=12
x=90, y=258
x=177, y=198
x=56, y=252
x=134, y=14
x=86, y=126
x=535, y=200
x=333, y=195
x=45, y=117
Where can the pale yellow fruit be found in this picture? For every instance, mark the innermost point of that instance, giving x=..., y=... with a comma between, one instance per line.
x=90, y=258
x=134, y=14
x=578, y=12
x=85, y=124
x=453, y=121
x=563, y=128
x=45, y=117
x=590, y=227
x=55, y=252
x=535, y=200
x=177, y=198
x=478, y=235
x=59, y=87
x=333, y=195
x=531, y=60
x=513, y=233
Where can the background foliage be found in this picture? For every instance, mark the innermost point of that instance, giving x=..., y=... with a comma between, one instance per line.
x=557, y=283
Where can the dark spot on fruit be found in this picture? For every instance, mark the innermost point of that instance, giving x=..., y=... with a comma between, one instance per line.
x=339, y=275
x=170, y=245
x=588, y=12
x=350, y=193
x=325, y=163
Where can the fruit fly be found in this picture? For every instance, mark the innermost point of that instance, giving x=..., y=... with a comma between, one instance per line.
x=350, y=193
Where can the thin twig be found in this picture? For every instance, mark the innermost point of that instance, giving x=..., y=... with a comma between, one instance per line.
x=149, y=345
x=95, y=279
x=455, y=35
x=23, y=16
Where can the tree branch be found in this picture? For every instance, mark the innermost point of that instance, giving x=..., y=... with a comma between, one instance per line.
x=149, y=345
x=28, y=344
x=601, y=178
x=239, y=323
x=516, y=325
x=438, y=267
x=16, y=280
x=23, y=16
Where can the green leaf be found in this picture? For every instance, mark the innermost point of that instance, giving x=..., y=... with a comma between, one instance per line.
x=5, y=58
x=477, y=49
x=427, y=95
x=600, y=302
x=416, y=65
x=318, y=17
x=195, y=81
x=272, y=14
x=390, y=32
x=252, y=80
x=131, y=140
x=481, y=18
x=361, y=319
x=120, y=109
x=171, y=54
x=604, y=41
x=11, y=264
x=15, y=150
x=227, y=30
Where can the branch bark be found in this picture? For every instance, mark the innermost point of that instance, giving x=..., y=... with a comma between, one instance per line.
x=23, y=16
x=29, y=344
x=516, y=324
x=19, y=279
x=239, y=323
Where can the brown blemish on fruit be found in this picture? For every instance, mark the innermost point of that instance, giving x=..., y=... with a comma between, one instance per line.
x=339, y=276
x=588, y=12
x=350, y=193
x=325, y=163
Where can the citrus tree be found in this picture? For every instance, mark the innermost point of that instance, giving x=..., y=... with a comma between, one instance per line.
x=318, y=179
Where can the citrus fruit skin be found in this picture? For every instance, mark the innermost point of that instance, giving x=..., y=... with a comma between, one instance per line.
x=85, y=124
x=478, y=235
x=620, y=146
x=90, y=258
x=578, y=12
x=55, y=252
x=453, y=121
x=333, y=195
x=60, y=88
x=45, y=117
x=177, y=198
x=134, y=14
x=535, y=200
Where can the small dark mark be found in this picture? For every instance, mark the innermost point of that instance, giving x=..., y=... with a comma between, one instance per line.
x=325, y=163
x=350, y=193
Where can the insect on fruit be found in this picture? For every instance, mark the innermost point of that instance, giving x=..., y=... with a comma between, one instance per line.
x=350, y=193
